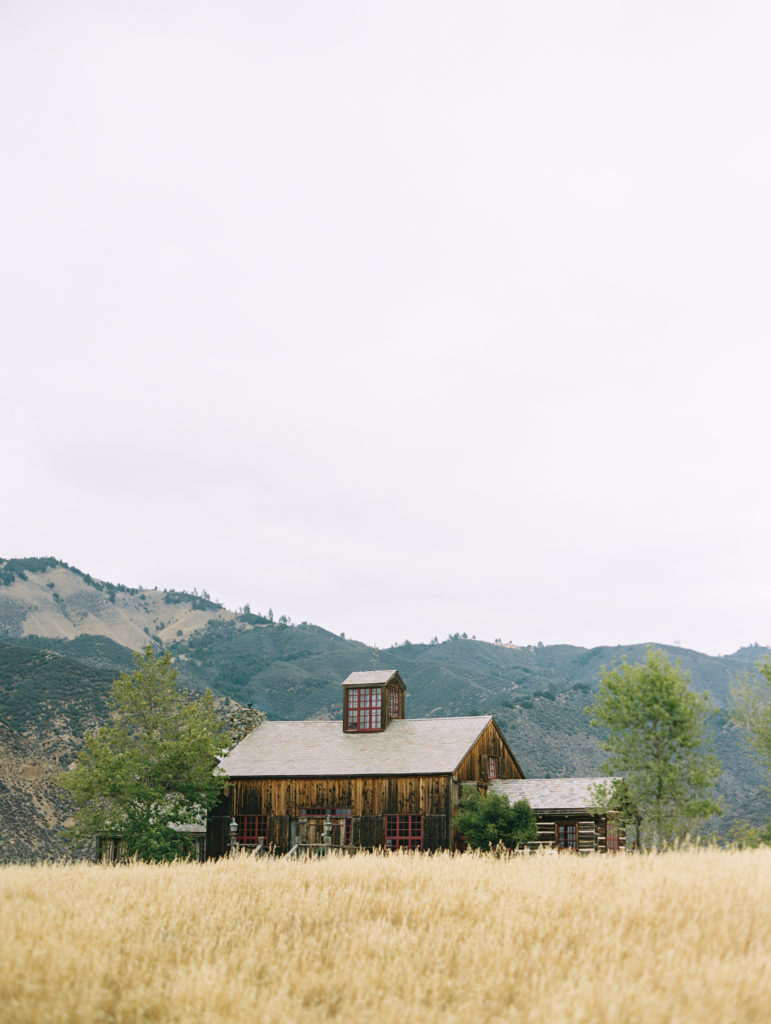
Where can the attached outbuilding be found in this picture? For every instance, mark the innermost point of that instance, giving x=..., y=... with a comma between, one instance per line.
x=565, y=810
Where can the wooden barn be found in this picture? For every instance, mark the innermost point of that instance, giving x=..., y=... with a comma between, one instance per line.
x=376, y=779
x=566, y=819
x=382, y=780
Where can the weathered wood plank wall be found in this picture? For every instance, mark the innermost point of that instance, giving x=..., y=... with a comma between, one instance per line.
x=369, y=800
x=407, y=794
x=491, y=743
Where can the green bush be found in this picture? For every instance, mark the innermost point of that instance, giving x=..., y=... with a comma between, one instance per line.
x=487, y=821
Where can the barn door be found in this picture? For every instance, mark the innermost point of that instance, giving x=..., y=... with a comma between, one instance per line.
x=611, y=832
x=371, y=831
x=279, y=832
x=435, y=832
x=218, y=835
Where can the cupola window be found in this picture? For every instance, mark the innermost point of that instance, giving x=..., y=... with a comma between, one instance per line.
x=365, y=709
x=394, y=711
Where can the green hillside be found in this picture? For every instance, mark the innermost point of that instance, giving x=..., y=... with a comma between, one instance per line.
x=49, y=695
x=53, y=688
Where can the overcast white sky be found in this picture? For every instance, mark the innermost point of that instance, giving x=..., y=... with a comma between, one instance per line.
x=402, y=318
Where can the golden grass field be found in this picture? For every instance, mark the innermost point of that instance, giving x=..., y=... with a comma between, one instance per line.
x=683, y=936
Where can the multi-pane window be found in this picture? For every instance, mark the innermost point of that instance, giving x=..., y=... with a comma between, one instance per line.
x=252, y=828
x=365, y=704
x=404, y=831
x=492, y=767
x=566, y=835
x=393, y=704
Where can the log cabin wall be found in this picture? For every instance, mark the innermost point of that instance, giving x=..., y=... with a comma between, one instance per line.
x=587, y=830
x=602, y=832
x=592, y=830
x=473, y=767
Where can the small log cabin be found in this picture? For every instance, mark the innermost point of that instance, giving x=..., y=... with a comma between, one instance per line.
x=565, y=815
x=379, y=779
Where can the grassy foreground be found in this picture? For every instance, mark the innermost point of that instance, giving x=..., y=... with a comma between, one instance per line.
x=677, y=937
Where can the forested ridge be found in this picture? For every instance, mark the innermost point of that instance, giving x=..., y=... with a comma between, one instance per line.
x=52, y=688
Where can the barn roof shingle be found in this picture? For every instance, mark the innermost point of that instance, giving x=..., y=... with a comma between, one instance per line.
x=373, y=677
x=414, y=746
x=550, y=794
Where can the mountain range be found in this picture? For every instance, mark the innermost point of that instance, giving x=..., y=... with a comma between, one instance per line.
x=64, y=636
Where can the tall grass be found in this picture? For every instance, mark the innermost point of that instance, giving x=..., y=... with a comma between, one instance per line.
x=676, y=937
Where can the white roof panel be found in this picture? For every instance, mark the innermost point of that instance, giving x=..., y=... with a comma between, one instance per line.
x=413, y=746
x=374, y=677
x=550, y=794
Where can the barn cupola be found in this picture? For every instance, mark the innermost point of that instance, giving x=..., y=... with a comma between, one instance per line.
x=372, y=700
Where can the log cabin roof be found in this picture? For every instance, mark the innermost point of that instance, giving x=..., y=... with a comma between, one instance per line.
x=551, y=794
x=414, y=746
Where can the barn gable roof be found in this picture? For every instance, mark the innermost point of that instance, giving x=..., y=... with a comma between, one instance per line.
x=551, y=794
x=415, y=746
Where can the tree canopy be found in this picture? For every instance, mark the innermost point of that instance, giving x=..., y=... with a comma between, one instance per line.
x=151, y=766
x=656, y=738
x=752, y=709
x=486, y=821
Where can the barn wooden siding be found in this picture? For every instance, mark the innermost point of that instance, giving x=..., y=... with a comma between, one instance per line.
x=368, y=798
x=390, y=794
x=473, y=767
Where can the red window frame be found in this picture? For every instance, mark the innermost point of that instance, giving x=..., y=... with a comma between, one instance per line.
x=364, y=709
x=393, y=704
x=404, y=831
x=566, y=835
x=492, y=767
x=251, y=827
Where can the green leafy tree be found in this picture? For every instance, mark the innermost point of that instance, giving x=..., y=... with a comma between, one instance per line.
x=752, y=709
x=747, y=836
x=486, y=821
x=615, y=799
x=655, y=735
x=151, y=766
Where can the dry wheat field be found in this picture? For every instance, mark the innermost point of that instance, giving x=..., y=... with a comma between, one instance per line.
x=676, y=937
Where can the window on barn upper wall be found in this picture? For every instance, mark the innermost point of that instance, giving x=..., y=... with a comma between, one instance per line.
x=566, y=835
x=404, y=831
x=492, y=767
x=393, y=704
x=252, y=828
x=364, y=710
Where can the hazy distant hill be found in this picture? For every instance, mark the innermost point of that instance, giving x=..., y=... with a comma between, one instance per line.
x=64, y=636
x=46, y=597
